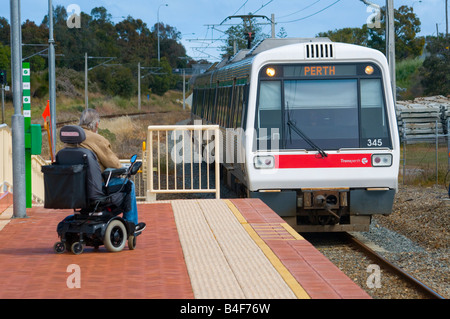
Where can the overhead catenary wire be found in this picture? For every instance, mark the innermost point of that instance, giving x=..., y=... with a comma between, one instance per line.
x=221, y=38
x=313, y=14
x=263, y=6
x=303, y=9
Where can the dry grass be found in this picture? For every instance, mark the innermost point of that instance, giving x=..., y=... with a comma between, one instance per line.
x=125, y=133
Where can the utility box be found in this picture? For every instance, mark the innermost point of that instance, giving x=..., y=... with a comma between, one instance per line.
x=33, y=140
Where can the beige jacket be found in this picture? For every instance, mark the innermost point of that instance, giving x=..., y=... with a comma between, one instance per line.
x=102, y=148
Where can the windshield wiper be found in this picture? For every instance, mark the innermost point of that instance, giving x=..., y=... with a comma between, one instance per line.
x=306, y=138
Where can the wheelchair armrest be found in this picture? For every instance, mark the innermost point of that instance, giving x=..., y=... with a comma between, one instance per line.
x=109, y=173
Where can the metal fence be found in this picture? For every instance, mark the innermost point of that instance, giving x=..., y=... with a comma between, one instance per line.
x=179, y=160
x=426, y=159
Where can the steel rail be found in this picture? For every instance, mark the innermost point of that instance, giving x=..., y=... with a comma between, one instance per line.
x=395, y=269
x=75, y=121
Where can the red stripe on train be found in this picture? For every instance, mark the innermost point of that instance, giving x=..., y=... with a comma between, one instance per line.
x=316, y=161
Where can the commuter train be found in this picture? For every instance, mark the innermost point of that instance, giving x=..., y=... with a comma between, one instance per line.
x=309, y=127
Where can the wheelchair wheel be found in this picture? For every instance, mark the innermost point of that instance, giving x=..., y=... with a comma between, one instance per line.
x=59, y=247
x=77, y=248
x=132, y=242
x=115, y=236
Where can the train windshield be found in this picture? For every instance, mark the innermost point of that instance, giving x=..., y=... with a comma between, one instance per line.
x=330, y=113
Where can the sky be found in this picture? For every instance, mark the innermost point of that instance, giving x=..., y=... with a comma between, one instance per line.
x=201, y=22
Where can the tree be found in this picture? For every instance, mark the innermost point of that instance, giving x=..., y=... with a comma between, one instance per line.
x=162, y=80
x=237, y=35
x=122, y=82
x=4, y=31
x=169, y=46
x=282, y=33
x=130, y=41
x=436, y=67
x=407, y=25
x=5, y=57
x=134, y=40
x=357, y=36
x=101, y=15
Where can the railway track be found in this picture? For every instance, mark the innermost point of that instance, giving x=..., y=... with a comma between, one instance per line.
x=109, y=116
x=355, y=256
x=427, y=291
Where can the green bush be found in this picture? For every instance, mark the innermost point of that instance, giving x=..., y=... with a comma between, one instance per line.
x=405, y=71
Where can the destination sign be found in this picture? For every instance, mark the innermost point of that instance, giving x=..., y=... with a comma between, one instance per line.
x=319, y=70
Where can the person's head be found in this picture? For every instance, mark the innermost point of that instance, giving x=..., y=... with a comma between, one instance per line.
x=91, y=119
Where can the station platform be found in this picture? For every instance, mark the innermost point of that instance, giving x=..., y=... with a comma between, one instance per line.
x=191, y=249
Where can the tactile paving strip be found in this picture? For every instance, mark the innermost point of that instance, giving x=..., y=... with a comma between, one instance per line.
x=246, y=272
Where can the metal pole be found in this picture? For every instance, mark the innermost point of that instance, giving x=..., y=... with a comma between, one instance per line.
x=404, y=156
x=273, y=25
x=157, y=18
x=52, y=76
x=157, y=25
x=139, y=86
x=85, y=80
x=184, y=89
x=446, y=18
x=3, y=103
x=448, y=143
x=437, y=149
x=390, y=45
x=17, y=120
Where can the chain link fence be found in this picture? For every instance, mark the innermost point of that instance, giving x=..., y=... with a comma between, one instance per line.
x=426, y=160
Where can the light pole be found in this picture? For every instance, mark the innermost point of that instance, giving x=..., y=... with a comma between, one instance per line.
x=52, y=76
x=390, y=45
x=17, y=120
x=159, y=56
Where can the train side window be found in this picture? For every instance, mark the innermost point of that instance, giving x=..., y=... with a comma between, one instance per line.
x=194, y=102
x=245, y=90
x=227, y=107
x=212, y=94
x=239, y=101
x=269, y=114
x=219, y=106
x=233, y=107
x=374, y=125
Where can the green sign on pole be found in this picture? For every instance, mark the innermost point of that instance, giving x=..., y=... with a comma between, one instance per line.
x=27, y=118
x=33, y=135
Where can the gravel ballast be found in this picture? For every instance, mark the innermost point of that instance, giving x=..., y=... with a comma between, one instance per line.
x=415, y=237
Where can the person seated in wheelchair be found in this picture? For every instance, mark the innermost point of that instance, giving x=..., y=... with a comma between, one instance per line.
x=75, y=180
x=107, y=159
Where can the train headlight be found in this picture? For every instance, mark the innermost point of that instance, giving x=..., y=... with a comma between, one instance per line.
x=381, y=160
x=270, y=71
x=266, y=161
x=369, y=70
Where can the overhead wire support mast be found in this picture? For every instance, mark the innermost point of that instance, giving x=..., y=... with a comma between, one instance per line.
x=248, y=28
x=86, y=69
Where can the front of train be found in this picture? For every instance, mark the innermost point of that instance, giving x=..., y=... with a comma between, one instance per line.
x=325, y=145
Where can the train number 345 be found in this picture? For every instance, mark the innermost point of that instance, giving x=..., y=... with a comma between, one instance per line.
x=374, y=142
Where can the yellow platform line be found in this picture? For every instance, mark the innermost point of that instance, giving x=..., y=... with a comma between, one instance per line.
x=293, y=284
x=291, y=231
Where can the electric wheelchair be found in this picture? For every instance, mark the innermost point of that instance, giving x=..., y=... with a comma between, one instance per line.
x=75, y=181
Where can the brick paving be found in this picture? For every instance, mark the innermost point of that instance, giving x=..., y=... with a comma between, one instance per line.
x=320, y=278
x=162, y=266
x=30, y=269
